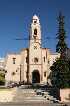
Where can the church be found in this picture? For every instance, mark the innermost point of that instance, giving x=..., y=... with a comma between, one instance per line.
x=31, y=65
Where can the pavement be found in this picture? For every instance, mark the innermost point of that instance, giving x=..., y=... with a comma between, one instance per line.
x=26, y=97
x=32, y=104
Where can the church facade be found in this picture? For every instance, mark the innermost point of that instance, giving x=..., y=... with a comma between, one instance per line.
x=32, y=64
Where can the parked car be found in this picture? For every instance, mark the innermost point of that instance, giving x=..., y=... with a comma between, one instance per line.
x=12, y=85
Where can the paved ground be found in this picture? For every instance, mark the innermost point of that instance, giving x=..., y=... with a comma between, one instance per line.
x=31, y=104
x=27, y=97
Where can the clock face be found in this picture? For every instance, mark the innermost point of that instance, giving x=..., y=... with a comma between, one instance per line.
x=36, y=45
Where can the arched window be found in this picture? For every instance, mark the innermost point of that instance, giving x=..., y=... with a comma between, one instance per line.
x=35, y=31
x=45, y=74
x=13, y=73
x=44, y=58
x=35, y=59
x=35, y=21
x=14, y=60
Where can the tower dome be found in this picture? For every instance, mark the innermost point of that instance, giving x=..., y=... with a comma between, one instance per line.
x=35, y=17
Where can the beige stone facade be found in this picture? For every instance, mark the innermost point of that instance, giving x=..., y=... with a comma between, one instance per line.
x=65, y=95
x=31, y=64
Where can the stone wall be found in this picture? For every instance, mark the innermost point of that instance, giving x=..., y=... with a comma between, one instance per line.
x=65, y=95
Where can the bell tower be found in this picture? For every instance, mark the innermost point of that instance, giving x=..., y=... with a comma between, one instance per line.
x=35, y=53
x=35, y=30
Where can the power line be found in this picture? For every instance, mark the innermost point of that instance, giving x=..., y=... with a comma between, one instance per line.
x=44, y=40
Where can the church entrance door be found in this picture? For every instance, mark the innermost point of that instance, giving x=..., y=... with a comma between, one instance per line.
x=35, y=76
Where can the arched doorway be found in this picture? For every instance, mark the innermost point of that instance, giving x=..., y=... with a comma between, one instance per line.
x=35, y=76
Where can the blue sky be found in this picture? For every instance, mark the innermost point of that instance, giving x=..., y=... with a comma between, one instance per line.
x=15, y=19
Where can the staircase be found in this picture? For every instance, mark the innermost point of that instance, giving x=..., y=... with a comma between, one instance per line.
x=25, y=95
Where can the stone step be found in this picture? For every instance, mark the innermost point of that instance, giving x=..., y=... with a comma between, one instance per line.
x=33, y=99
x=30, y=95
